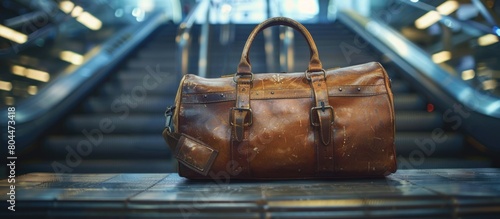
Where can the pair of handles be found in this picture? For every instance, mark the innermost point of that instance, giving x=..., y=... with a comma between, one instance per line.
x=244, y=67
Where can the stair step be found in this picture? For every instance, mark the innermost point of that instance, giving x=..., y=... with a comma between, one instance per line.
x=429, y=144
x=153, y=104
x=409, y=101
x=120, y=123
x=142, y=88
x=151, y=62
x=418, y=121
x=399, y=86
x=107, y=146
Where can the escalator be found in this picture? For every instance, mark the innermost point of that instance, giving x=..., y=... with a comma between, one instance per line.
x=117, y=127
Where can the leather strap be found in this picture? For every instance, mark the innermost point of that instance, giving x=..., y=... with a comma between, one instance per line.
x=241, y=114
x=322, y=116
x=323, y=110
x=314, y=62
x=241, y=117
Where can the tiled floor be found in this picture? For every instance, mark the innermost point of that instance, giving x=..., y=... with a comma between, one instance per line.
x=445, y=193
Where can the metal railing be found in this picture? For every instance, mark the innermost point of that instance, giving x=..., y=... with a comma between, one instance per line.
x=183, y=37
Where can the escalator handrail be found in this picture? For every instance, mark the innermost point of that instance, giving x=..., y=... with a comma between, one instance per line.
x=419, y=59
x=184, y=34
x=72, y=77
x=468, y=24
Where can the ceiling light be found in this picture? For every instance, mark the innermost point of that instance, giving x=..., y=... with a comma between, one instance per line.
x=489, y=84
x=448, y=7
x=441, y=57
x=147, y=5
x=5, y=85
x=77, y=11
x=12, y=35
x=66, y=6
x=89, y=21
x=487, y=39
x=37, y=75
x=427, y=19
x=9, y=101
x=468, y=74
x=432, y=17
x=31, y=73
x=18, y=70
x=32, y=90
x=71, y=57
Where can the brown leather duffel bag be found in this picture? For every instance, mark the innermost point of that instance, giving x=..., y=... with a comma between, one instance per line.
x=314, y=124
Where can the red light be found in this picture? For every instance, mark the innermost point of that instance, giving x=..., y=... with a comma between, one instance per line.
x=430, y=107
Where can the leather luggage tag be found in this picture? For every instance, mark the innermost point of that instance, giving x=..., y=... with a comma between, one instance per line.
x=195, y=154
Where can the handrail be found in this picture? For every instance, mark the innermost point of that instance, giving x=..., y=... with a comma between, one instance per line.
x=57, y=97
x=486, y=104
x=484, y=116
x=465, y=24
x=183, y=37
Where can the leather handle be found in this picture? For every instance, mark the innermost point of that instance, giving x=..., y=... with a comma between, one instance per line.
x=314, y=63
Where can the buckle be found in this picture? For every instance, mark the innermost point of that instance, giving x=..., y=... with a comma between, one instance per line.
x=246, y=123
x=240, y=75
x=322, y=108
x=308, y=76
x=168, y=117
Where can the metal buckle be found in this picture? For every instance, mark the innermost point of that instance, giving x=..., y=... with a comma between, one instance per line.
x=168, y=117
x=322, y=108
x=308, y=77
x=236, y=74
x=249, y=123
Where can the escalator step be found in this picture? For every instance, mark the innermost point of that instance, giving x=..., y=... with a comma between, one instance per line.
x=400, y=86
x=410, y=101
x=152, y=62
x=144, y=87
x=429, y=144
x=132, y=75
x=119, y=123
x=152, y=104
x=417, y=121
x=108, y=146
x=117, y=91
x=155, y=54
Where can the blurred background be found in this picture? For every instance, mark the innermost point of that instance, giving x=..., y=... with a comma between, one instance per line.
x=90, y=80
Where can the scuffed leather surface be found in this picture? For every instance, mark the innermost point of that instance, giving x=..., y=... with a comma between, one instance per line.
x=281, y=144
